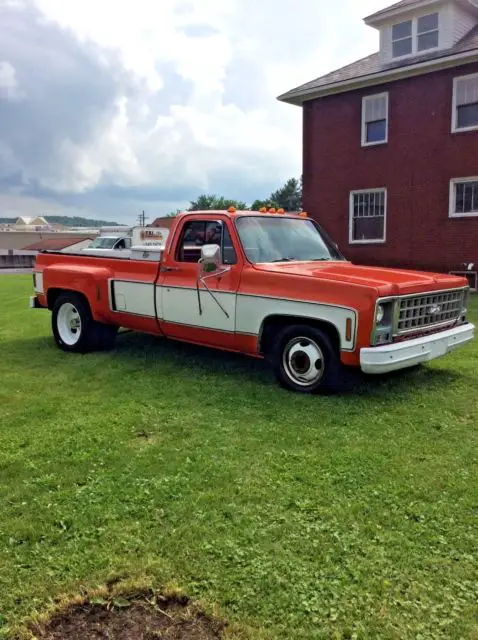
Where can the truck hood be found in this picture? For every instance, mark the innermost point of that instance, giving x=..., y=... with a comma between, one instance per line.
x=385, y=281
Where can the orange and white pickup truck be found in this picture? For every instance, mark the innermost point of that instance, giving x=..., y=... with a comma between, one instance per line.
x=266, y=284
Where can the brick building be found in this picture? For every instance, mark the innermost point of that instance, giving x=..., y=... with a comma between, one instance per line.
x=390, y=143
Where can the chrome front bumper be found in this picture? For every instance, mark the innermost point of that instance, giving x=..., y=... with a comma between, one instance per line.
x=409, y=353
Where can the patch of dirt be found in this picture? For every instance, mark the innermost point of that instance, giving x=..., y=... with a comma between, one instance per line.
x=140, y=619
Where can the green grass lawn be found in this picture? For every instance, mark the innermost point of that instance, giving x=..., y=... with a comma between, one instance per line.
x=300, y=517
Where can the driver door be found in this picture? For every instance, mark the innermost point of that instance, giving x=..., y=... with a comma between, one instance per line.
x=190, y=312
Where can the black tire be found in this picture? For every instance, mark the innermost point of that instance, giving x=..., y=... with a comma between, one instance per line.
x=306, y=360
x=75, y=330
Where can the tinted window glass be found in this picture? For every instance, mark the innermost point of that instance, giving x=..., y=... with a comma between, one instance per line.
x=402, y=30
x=377, y=131
x=467, y=116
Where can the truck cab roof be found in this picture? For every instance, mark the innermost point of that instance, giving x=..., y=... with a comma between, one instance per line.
x=234, y=213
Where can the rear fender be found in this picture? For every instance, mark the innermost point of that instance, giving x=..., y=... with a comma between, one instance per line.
x=92, y=282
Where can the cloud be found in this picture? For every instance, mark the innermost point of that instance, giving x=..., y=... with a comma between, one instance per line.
x=199, y=31
x=9, y=89
x=108, y=106
x=69, y=98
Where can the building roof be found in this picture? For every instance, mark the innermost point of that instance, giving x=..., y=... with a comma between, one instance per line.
x=404, y=4
x=31, y=220
x=57, y=244
x=367, y=69
x=408, y=5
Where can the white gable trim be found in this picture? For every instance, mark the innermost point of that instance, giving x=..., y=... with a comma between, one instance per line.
x=377, y=19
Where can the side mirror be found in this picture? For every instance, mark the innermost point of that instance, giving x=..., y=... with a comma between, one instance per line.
x=210, y=257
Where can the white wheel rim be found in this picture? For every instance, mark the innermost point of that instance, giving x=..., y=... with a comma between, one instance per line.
x=303, y=362
x=68, y=323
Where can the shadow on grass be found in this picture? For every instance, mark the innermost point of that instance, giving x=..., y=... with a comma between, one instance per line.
x=183, y=357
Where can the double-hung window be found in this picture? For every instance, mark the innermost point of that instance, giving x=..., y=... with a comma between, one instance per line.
x=427, y=32
x=367, y=216
x=465, y=103
x=464, y=197
x=402, y=39
x=375, y=119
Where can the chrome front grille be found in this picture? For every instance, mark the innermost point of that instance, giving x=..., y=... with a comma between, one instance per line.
x=429, y=310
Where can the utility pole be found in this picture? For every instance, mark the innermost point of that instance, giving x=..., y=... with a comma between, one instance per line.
x=142, y=219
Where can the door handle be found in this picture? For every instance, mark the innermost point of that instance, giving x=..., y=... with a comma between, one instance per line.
x=170, y=269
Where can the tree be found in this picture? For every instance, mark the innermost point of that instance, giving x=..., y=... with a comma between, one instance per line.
x=257, y=205
x=289, y=197
x=173, y=214
x=210, y=202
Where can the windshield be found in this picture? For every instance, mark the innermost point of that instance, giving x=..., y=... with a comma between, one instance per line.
x=277, y=239
x=103, y=243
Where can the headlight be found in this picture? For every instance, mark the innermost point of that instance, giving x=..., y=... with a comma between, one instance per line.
x=382, y=331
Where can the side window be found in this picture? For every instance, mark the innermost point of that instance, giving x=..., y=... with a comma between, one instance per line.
x=197, y=233
x=120, y=244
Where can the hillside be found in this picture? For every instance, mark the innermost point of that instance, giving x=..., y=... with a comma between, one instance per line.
x=69, y=221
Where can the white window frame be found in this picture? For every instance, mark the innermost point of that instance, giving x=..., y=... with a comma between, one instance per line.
x=451, y=209
x=410, y=37
x=415, y=34
x=351, y=215
x=366, y=99
x=425, y=33
x=454, y=113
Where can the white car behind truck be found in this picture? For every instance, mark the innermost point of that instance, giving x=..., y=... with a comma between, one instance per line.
x=111, y=239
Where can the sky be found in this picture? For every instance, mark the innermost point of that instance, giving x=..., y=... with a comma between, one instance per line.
x=109, y=108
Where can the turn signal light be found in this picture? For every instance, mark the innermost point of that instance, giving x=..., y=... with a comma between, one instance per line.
x=272, y=210
x=232, y=210
x=303, y=214
x=280, y=210
x=262, y=210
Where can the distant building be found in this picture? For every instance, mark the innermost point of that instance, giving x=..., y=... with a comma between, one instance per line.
x=26, y=223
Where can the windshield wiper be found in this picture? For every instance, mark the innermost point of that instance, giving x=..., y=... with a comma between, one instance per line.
x=321, y=259
x=286, y=259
